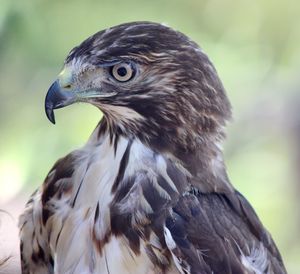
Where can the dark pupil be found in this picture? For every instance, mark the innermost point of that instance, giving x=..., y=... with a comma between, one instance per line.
x=122, y=71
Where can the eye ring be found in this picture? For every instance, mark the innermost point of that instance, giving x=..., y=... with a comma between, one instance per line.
x=123, y=72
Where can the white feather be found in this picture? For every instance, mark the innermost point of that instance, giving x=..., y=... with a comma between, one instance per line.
x=257, y=261
x=70, y=230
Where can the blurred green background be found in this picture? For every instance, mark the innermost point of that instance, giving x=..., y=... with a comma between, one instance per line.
x=254, y=46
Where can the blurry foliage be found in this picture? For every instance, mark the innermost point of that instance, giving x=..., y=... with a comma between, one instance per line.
x=254, y=46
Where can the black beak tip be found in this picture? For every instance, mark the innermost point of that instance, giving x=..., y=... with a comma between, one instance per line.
x=50, y=114
x=51, y=101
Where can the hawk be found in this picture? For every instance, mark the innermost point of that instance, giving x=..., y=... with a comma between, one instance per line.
x=148, y=192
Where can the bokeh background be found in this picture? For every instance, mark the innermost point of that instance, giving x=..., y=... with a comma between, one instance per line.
x=255, y=48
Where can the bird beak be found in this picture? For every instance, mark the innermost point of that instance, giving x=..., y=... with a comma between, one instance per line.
x=57, y=97
x=62, y=93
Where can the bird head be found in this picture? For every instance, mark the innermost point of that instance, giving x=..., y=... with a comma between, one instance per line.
x=149, y=81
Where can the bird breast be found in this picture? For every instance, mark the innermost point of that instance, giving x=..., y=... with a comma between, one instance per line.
x=81, y=237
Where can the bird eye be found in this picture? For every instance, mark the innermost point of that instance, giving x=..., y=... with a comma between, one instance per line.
x=122, y=72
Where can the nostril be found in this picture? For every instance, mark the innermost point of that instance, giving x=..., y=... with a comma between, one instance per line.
x=67, y=86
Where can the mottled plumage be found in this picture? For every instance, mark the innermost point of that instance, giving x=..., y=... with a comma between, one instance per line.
x=149, y=192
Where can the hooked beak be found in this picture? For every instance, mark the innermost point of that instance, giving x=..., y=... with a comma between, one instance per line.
x=57, y=97
x=63, y=93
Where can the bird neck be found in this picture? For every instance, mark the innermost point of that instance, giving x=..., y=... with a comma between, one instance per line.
x=203, y=159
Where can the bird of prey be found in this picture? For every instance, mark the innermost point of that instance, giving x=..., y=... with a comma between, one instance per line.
x=148, y=192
